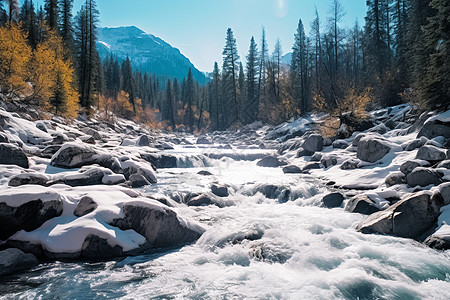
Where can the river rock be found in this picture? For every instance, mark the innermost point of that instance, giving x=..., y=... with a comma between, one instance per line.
x=333, y=200
x=361, y=204
x=41, y=126
x=85, y=206
x=49, y=151
x=438, y=242
x=204, y=173
x=13, y=155
x=160, y=225
x=432, y=129
x=316, y=157
x=200, y=200
x=143, y=141
x=73, y=155
x=204, y=140
x=356, y=140
x=160, y=161
x=417, y=143
x=395, y=178
x=28, y=216
x=91, y=176
x=270, y=162
x=340, y=144
x=313, y=143
x=408, y=218
x=311, y=166
x=3, y=138
x=13, y=260
x=291, y=169
x=410, y=165
x=372, y=148
x=350, y=164
x=328, y=160
x=88, y=139
x=444, y=190
x=138, y=180
x=431, y=153
x=219, y=190
x=303, y=152
x=94, y=133
x=423, y=177
x=28, y=178
x=444, y=164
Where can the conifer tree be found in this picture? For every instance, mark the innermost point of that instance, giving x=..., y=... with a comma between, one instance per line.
x=66, y=27
x=51, y=13
x=190, y=90
x=215, y=106
x=263, y=58
x=435, y=85
x=168, y=112
x=276, y=60
x=252, y=104
x=14, y=10
x=128, y=81
x=299, y=69
x=29, y=22
x=3, y=14
x=59, y=97
x=337, y=12
x=230, y=68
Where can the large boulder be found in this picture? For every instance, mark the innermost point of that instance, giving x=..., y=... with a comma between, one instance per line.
x=372, y=148
x=303, y=152
x=85, y=206
x=444, y=190
x=340, y=144
x=13, y=260
x=408, y=166
x=270, y=162
x=438, y=242
x=333, y=200
x=204, y=140
x=160, y=225
x=26, y=211
x=434, y=128
x=13, y=155
x=329, y=160
x=408, y=218
x=313, y=143
x=143, y=141
x=423, y=177
x=431, y=153
x=417, y=143
x=3, y=138
x=91, y=176
x=350, y=164
x=395, y=178
x=138, y=180
x=73, y=155
x=28, y=178
x=291, y=169
x=160, y=161
x=361, y=204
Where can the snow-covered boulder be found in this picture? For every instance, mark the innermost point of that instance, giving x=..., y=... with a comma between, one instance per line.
x=372, y=148
x=350, y=164
x=72, y=155
x=13, y=155
x=13, y=260
x=85, y=206
x=303, y=152
x=408, y=166
x=291, y=169
x=28, y=178
x=137, y=181
x=143, y=141
x=160, y=225
x=204, y=140
x=340, y=144
x=21, y=209
x=417, y=143
x=431, y=153
x=408, y=218
x=329, y=160
x=271, y=162
x=3, y=138
x=444, y=164
x=395, y=178
x=313, y=143
x=160, y=161
x=438, y=125
x=361, y=204
x=423, y=177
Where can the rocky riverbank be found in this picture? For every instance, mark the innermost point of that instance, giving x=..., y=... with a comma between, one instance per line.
x=67, y=187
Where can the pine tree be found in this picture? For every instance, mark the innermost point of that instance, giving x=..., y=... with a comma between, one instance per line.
x=66, y=27
x=51, y=13
x=316, y=37
x=230, y=68
x=337, y=12
x=129, y=82
x=3, y=14
x=29, y=22
x=252, y=105
x=276, y=59
x=87, y=56
x=215, y=105
x=263, y=58
x=168, y=112
x=59, y=98
x=299, y=69
x=190, y=96
x=435, y=86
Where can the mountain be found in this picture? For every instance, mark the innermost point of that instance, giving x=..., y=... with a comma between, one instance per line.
x=286, y=59
x=147, y=52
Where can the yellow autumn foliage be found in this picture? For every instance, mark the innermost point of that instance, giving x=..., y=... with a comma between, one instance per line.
x=14, y=56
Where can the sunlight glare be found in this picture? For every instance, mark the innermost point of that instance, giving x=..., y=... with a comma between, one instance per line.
x=281, y=8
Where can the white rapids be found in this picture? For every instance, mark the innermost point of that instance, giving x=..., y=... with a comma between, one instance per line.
x=254, y=248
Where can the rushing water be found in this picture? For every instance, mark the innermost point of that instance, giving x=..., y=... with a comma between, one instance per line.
x=296, y=249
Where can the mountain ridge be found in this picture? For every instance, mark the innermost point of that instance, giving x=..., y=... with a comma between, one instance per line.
x=147, y=52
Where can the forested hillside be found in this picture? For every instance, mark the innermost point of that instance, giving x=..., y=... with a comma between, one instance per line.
x=402, y=54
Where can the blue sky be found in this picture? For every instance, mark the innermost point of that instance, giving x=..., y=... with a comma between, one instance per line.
x=198, y=27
